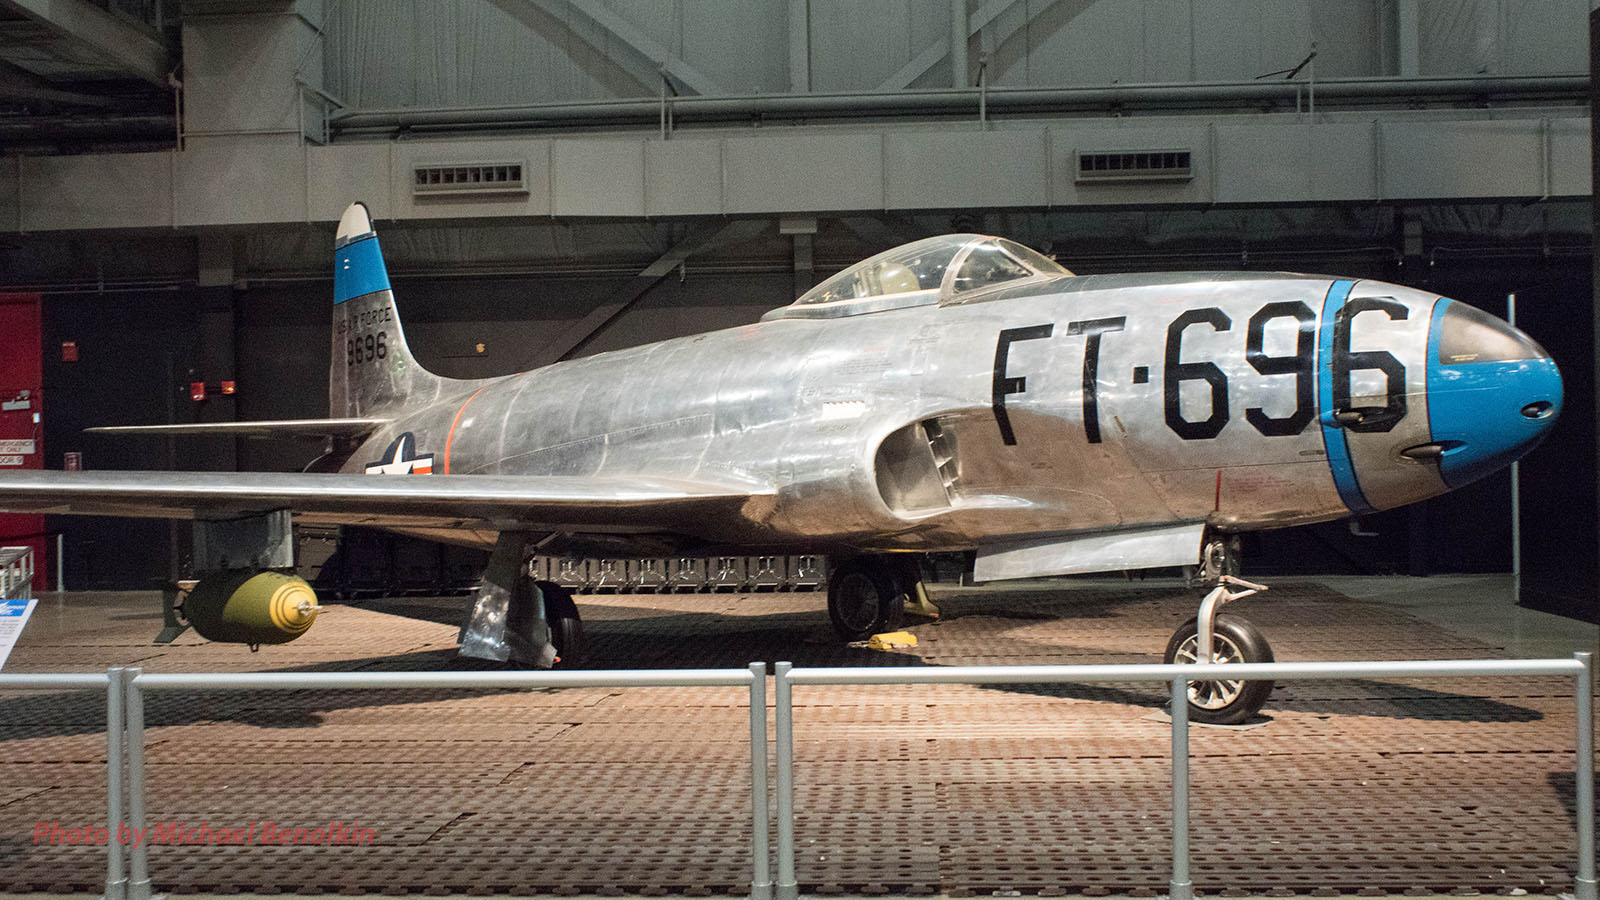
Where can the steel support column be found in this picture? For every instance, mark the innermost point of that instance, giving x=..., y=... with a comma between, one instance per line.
x=214, y=291
x=958, y=43
x=1408, y=38
x=975, y=23
x=799, y=46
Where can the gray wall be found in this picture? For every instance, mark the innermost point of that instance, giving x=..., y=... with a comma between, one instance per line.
x=384, y=53
x=254, y=151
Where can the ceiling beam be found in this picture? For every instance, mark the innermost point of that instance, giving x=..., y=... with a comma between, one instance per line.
x=20, y=85
x=919, y=64
x=122, y=43
x=593, y=22
x=930, y=56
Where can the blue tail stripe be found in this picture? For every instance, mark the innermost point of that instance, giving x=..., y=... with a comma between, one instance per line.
x=358, y=269
x=1333, y=436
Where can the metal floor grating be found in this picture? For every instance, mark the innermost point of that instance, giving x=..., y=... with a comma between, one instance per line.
x=1352, y=787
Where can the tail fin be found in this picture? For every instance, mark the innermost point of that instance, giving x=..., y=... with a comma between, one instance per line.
x=372, y=371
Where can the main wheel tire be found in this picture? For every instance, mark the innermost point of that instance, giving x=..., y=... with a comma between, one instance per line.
x=566, y=628
x=863, y=600
x=1223, y=702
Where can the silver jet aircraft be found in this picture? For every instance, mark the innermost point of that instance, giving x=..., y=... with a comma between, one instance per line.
x=957, y=393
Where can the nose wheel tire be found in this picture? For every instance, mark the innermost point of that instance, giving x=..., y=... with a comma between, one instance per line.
x=863, y=600
x=1224, y=701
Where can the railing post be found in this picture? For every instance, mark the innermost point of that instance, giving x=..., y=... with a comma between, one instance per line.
x=1584, y=887
x=116, y=871
x=138, y=860
x=788, y=888
x=761, y=864
x=1182, y=886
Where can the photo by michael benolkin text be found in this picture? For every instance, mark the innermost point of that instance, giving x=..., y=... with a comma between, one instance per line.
x=335, y=833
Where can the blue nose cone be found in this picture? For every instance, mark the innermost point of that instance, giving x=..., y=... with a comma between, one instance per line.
x=1493, y=392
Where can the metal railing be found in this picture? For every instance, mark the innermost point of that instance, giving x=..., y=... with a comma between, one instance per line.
x=1178, y=678
x=16, y=573
x=128, y=874
x=111, y=681
x=755, y=677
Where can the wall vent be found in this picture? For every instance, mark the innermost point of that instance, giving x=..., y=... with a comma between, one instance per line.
x=456, y=179
x=1135, y=165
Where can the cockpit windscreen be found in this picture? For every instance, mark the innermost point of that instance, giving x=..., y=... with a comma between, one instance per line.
x=923, y=265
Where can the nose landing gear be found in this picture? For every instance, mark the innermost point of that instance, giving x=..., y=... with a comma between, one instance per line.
x=1231, y=639
x=867, y=595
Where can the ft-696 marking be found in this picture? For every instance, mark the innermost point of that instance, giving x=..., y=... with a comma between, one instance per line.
x=1302, y=364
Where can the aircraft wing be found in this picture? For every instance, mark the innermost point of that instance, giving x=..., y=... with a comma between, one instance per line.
x=494, y=502
x=352, y=427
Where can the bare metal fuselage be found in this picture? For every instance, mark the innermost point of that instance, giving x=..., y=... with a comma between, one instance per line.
x=889, y=430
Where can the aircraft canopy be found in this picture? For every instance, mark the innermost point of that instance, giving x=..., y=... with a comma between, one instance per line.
x=951, y=268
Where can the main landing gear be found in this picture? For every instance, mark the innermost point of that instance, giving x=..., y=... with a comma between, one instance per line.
x=867, y=595
x=566, y=628
x=515, y=619
x=1227, y=701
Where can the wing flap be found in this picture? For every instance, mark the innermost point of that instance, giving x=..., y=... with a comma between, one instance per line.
x=488, y=501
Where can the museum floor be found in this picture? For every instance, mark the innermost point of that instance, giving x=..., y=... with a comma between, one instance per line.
x=1350, y=787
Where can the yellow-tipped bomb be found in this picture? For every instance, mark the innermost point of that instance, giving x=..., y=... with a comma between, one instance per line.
x=245, y=607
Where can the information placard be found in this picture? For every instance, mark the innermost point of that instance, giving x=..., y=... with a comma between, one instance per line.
x=13, y=616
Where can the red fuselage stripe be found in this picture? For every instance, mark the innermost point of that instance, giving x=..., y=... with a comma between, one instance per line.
x=450, y=438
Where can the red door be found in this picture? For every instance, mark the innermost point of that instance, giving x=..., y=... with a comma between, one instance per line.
x=21, y=434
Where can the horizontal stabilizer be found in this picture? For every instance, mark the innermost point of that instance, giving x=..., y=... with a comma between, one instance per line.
x=491, y=502
x=268, y=428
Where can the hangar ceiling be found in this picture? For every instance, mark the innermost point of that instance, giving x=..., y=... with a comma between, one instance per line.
x=1336, y=126
x=77, y=76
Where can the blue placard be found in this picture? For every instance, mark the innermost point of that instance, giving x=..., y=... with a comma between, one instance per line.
x=13, y=617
